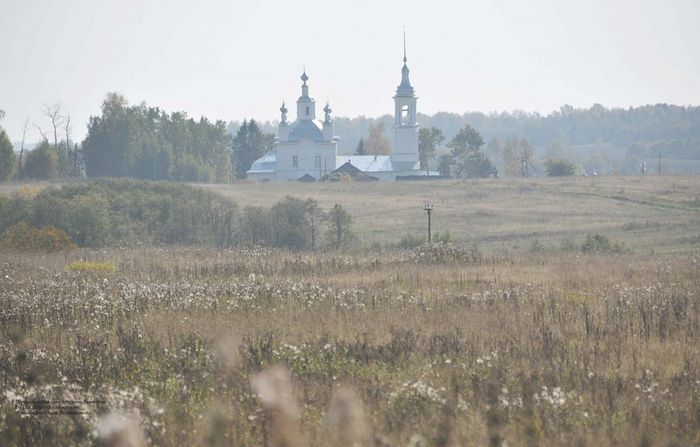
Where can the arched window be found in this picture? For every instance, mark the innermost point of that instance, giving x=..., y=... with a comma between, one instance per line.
x=307, y=110
x=404, y=114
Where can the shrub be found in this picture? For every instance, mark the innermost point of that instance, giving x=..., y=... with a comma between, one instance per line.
x=567, y=244
x=444, y=237
x=24, y=237
x=131, y=213
x=536, y=247
x=126, y=212
x=599, y=243
x=411, y=241
x=442, y=253
x=92, y=267
x=338, y=177
x=290, y=224
x=559, y=167
x=41, y=163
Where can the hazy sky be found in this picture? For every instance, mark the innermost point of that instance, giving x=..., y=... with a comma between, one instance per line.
x=228, y=59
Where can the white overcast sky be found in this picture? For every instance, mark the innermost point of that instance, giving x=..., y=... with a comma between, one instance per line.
x=229, y=59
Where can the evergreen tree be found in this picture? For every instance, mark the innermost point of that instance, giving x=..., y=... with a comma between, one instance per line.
x=360, y=149
x=249, y=144
x=7, y=156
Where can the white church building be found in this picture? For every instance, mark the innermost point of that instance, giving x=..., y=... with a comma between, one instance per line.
x=308, y=148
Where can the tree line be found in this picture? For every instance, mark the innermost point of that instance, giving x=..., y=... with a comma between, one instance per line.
x=147, y=143
x=118, y=213
x=674, y=130
x=136, y=141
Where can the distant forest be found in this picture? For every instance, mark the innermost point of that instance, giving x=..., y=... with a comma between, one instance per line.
x=642, y=132
x=145, y=142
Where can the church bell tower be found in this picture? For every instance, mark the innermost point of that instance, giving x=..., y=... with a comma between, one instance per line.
x=306, y=106
x=405, y=126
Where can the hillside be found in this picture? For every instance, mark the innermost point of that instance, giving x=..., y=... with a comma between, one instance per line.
x=660, y=214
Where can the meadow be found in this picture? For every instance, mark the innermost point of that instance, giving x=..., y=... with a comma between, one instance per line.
x=649, y=214
x=494, y=343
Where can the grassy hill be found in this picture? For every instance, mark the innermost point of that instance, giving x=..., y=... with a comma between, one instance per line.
x=659, y=214
x=651, y=213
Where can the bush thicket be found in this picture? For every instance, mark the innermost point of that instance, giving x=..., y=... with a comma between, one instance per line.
x=124, y=212
x=131, y=212
x=598, y=243
x=41, y=163
x=23, y=237
x=559, y=167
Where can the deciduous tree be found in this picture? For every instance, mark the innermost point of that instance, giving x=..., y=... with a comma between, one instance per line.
x=428, y=142
x=467, y=159
x=339, y=227
x=377, y=142
x=148, y=143
x=42, y=162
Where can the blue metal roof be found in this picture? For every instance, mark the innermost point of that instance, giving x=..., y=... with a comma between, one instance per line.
x=312, y=130
x=367, y=163
x=265, y=164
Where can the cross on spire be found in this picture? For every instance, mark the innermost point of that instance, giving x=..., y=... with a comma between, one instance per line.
x=404, y=45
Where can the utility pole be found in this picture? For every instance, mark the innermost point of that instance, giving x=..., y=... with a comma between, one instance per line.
x=659, y=164
x=429, y=209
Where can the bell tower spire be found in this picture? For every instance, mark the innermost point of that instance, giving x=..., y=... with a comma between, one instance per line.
x=404, y=46
x=306, y=105
x=405, y=126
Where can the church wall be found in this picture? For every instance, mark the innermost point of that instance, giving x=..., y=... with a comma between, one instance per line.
x=306, y=150
x=405, y=144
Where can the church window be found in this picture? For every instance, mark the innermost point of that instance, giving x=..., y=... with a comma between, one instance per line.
x=404, y=114
x=295, y=161
x=318, y=161
x=307, y=110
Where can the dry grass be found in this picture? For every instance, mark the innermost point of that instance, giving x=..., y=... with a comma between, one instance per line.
x=528, y=351
x=255, y=347
x=651, y=213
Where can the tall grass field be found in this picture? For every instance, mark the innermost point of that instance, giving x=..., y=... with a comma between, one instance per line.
x=559, y=312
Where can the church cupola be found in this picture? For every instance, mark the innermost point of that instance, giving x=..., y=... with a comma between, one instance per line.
x=327, y=122
x=404, y=89
x=306, y=106
x=284, y=125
